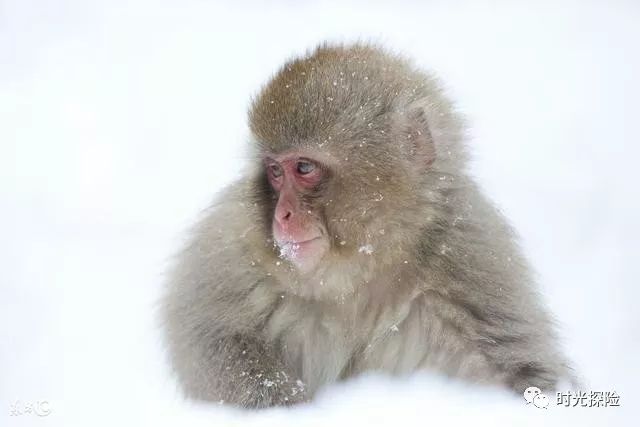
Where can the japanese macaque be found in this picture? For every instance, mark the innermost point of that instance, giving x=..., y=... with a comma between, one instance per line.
x=357, y=242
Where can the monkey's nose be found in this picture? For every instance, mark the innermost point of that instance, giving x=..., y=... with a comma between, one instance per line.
x=283, y=215
x=285, y=209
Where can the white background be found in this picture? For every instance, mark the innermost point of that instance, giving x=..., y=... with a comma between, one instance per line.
x=119, y=121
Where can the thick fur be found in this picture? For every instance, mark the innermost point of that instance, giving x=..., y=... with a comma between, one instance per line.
x=423, y=272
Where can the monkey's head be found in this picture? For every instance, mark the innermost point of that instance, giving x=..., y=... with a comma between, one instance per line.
x=346, y=158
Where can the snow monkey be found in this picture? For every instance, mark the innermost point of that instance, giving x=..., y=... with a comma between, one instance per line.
x=356, y=242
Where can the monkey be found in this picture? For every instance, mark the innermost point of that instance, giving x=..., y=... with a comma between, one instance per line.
x=356, y=241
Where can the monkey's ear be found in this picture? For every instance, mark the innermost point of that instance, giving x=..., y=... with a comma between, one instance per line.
x=416, y=137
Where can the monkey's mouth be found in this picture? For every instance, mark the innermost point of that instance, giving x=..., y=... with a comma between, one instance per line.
x=302, y=242
x=294, y=246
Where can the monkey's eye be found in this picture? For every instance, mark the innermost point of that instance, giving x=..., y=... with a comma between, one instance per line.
x=276, y=170
x=303, y=167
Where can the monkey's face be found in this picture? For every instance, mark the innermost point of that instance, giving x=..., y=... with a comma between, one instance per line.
x=298, y=230
x=345, y=205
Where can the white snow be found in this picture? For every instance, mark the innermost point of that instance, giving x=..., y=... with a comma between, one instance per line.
x=288, y=250
x=119, y=121
x=366, y=249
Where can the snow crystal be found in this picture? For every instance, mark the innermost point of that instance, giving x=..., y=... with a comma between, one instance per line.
x=288, y=250
x=366, y=249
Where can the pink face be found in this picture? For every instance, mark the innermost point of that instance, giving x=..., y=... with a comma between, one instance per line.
x=297, y=231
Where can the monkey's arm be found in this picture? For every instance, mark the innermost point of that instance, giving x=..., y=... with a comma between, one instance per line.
x=239, y=370
x=213, y=330
x=495, y=301
x=215, y=344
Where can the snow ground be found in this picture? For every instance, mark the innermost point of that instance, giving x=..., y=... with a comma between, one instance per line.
x=120, y=120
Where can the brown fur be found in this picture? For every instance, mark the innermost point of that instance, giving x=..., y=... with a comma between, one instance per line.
x=423, y=272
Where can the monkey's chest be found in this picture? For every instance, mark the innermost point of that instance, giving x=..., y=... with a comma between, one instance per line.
x=318, y=349
x=323, y=348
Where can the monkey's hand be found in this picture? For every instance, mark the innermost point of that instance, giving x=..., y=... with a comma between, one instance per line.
x=243, y=371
